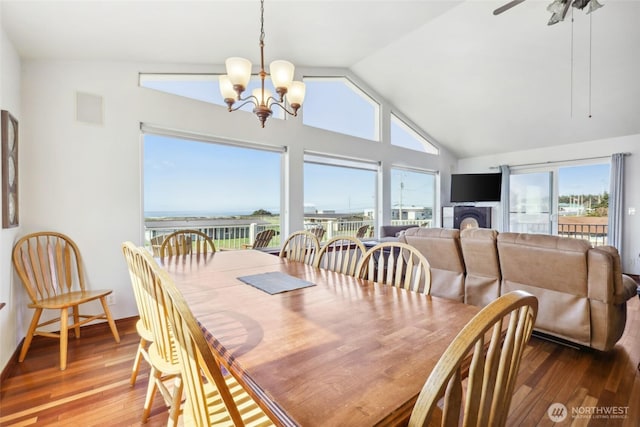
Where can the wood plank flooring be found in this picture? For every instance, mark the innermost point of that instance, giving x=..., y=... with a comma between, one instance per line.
x=95, y=390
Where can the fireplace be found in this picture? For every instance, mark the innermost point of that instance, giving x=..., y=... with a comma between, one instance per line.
x=471, y=217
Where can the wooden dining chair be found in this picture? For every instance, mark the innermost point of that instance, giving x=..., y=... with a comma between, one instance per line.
x=161, y=353
x=396, y=264
x=213, y=398
x=186, y=242
x=262, y=239
x=50, y=267
x=143, y=325
x=300, y=246
x=341, y=254
x=156, y=243
x=495, y=356
x=362, y=231
x=318, y=231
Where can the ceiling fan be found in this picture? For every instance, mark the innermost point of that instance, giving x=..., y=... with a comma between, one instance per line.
x=558, y=8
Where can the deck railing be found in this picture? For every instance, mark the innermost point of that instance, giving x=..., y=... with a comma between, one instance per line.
x=596, y=234
x=224, y=236
x=237, y=236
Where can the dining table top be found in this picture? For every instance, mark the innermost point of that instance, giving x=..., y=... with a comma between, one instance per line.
x=342, y=352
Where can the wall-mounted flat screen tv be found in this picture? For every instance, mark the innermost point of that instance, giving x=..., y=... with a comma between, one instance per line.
x=476, y=187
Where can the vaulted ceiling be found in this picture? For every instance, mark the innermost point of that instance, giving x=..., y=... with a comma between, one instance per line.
x=477, y=83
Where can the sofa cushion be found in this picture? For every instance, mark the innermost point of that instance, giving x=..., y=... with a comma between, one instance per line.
x=441, y=247
x=545, y=261
x=480, y=253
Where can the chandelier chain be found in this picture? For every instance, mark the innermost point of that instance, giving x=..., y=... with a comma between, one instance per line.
x=261, y=21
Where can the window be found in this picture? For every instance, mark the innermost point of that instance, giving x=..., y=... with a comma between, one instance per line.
x=211, y=187
x=583, y=202
x=202, y=87
x=336, y=104
x=339, y=195
x=403, y=135
x=570, y=201
x=412, y=197
x=530, y=203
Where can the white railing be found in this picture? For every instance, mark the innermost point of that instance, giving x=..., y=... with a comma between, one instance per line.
x=417, y=222
x=237, y=236
x=224, y=236
x=340, y=228
x=350, y=228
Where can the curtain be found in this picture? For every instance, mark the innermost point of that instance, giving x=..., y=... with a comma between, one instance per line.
x=616, y=205
x=504, y=196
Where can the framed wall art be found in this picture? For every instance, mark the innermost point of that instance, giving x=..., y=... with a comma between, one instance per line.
x=9, y=170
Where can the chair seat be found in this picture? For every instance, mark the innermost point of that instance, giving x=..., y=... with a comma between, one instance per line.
x=70, y=299
x=161, y=364
x=143, y=332
x=251, y=413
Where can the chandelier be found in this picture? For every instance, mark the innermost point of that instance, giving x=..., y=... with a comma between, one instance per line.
x=281, y=72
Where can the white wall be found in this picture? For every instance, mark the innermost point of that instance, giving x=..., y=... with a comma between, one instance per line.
x=600, y=148
x=85, y=180
x=9, y=293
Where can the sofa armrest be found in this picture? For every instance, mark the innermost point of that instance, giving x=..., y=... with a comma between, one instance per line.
x=606, y=281
x=394, y=230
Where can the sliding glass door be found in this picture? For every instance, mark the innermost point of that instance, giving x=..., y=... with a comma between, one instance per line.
x=530, y=203
x=569, y=201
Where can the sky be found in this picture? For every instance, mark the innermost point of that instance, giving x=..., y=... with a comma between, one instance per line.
x=190, y=176
x=199, y=177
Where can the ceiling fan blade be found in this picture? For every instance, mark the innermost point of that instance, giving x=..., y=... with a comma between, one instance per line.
x=507, y=6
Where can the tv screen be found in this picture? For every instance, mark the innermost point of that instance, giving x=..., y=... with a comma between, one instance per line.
x=476, y=187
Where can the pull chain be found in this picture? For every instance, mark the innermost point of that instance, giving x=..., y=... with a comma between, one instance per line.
x=571, y=69
x=590, y=62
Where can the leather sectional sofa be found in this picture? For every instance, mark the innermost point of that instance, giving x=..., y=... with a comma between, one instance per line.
x=581, y=290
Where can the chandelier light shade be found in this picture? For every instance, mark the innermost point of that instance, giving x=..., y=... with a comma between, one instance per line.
x=235, y=82
x=239, y=72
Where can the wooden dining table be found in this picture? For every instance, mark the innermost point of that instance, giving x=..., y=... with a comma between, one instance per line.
x=343, y=352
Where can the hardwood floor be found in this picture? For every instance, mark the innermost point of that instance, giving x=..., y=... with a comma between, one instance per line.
x=95, y=390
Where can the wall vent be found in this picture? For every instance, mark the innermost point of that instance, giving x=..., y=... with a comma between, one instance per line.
x=89, y=108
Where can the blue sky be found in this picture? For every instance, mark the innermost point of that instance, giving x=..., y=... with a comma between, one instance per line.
x=588, y=179
x=183, y=175
x=202, y=177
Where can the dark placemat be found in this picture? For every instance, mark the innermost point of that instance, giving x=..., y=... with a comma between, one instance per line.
x=275, y=282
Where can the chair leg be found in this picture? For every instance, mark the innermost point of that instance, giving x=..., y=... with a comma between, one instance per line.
x=154, y=376
x=76, y=320
x=136, y=361
x=112, y=324
x=175, y=410
x=64, y=335
x=29, y=336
